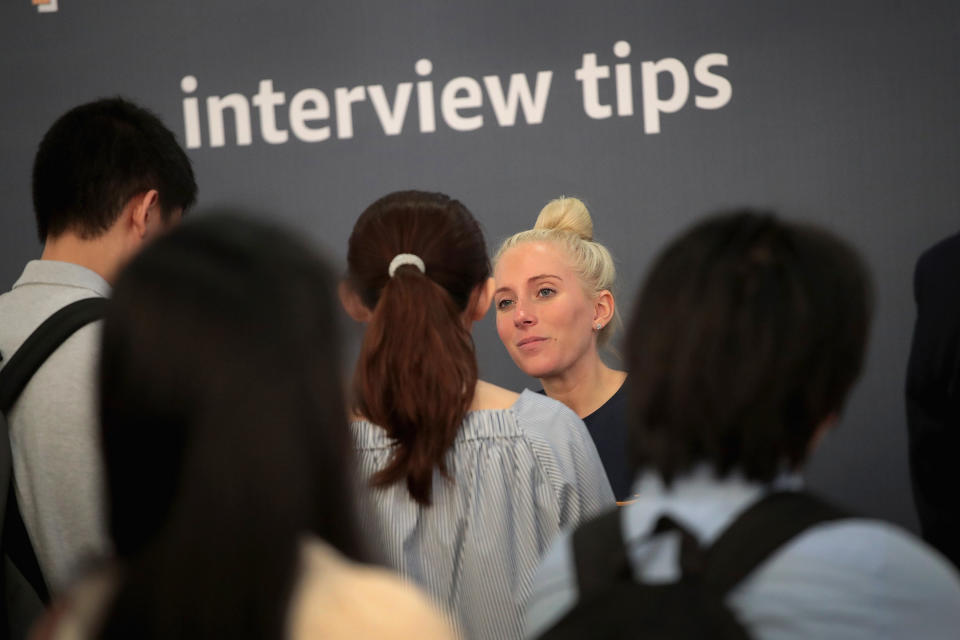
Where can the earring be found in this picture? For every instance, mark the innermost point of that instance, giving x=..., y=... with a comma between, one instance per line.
x=599, y=326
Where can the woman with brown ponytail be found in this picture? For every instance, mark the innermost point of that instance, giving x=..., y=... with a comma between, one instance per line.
x=469, y=483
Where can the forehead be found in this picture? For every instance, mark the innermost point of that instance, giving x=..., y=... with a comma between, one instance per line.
x=517, y=264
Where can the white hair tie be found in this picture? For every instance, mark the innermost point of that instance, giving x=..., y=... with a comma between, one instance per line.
x=406, y=258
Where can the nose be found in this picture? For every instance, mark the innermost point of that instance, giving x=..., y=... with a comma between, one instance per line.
x=524, y=317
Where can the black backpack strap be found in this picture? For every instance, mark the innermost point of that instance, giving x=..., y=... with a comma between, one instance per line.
x=599, y=553
x=13, y=378
x=601, y=557
x=757, y=533
x=43, y=342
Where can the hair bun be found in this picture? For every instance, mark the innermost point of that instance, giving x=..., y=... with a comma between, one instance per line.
x=566, y=214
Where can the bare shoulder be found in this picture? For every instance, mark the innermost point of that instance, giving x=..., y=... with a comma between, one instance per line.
x=490, y=396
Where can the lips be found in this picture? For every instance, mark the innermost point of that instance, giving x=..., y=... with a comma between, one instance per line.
x=530, y=343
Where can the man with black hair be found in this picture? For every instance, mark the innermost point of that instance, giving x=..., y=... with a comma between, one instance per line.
x=744, y=343
x=108, y=177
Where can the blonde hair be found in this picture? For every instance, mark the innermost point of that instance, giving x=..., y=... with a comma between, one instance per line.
x=566, y=222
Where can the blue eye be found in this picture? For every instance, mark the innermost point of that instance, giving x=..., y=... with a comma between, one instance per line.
x=503, y=304
x=546, y=292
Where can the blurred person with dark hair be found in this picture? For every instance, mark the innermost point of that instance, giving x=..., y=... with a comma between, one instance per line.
x=743, y=346
x=933, y=396
x=227, y=453
x=107, y=178
x=469, y=482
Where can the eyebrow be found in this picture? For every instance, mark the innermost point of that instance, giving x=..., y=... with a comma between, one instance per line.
x=544, y=275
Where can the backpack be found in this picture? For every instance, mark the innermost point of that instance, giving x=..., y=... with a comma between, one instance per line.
x=613, y=605
x=23, y=590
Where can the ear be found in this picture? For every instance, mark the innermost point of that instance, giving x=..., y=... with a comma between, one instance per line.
x=480, y=300
x=352, y=304
x=604, y=307
x=142, y=208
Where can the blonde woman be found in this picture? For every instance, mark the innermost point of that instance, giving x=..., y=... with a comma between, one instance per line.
x=555, y=310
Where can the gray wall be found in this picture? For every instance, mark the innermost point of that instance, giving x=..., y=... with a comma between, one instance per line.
x=843, y=113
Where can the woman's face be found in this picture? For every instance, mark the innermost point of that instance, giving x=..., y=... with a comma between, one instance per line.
x=544, y=316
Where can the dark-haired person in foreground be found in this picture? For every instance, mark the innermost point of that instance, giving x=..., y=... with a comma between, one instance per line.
x=469, y=482
x=933, y=396
x=108, y=177
x=228, y=458
x=744, y=343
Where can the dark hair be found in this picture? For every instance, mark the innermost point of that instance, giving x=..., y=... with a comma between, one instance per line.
x=417, y=370
x=747, y=334
x=95, y=158
x=223, y=430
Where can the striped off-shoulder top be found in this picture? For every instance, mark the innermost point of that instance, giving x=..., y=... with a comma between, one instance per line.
x=518, y=476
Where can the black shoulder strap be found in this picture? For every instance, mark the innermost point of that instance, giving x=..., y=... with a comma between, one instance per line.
x=599, y=553
x=758, y=532
x=13, y=378
x=43, y=342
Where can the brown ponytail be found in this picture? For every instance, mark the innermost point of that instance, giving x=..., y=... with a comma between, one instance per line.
x=417, y=369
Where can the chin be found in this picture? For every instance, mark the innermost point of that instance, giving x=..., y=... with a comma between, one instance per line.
x=537, y=365
x=537, y=370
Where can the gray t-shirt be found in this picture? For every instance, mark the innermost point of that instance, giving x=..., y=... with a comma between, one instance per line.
x=53, y=426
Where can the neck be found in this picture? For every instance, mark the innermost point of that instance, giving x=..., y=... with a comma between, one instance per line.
x=585, y=386
x=99, y=254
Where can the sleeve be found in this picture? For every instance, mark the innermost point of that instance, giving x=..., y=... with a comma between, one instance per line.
x=569, y=459
x=851, y=578
x=554, y=589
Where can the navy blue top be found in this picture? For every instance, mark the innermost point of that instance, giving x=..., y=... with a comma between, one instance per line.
x=609, y=428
